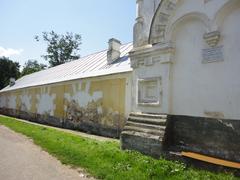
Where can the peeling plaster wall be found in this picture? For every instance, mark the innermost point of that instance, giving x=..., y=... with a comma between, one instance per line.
x=25, y=100
x=45, y=103
x=83, y=97
x=3, y=102
x=96, y=105
x=12, y=101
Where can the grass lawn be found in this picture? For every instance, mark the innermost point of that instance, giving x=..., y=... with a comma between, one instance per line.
x=105, y=160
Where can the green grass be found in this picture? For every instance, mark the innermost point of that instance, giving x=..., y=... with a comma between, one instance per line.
x=105, y=160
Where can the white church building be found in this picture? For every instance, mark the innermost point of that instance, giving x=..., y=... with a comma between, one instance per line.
x=186, y=70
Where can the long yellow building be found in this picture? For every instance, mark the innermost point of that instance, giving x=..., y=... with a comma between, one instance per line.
x=90, y=94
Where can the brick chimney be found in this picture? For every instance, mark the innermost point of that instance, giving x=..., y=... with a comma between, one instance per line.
x=113, y=50
x=11, y=82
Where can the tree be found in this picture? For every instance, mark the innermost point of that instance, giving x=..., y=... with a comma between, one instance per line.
x=8, y=69
x=32, y=66
x=61, y=48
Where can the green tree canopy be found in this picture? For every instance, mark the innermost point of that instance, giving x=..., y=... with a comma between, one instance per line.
x=32, y=66
x=8, y=69
x=61, y=48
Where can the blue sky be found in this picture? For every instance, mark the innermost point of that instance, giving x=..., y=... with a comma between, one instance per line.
x=95, y=20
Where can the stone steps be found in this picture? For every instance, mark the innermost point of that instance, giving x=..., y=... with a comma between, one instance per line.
x=144, y=115
x=147, y=120
x=141, y=125
x=146, y=130
x=144, y=133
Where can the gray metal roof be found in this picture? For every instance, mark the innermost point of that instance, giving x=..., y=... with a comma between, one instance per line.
x=89, y=66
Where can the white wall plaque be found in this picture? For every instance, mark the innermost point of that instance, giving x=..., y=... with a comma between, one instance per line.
x=212, y=54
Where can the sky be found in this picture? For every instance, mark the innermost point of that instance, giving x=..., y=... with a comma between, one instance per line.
x=96, y=20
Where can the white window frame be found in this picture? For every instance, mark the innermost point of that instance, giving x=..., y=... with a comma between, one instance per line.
x=141, y=99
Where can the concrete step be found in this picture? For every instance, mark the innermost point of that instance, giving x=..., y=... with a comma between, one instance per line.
x=144, y=130
x=144, y=133
x=147, y=126
x=148, y=115
x=147, y=120
x=141, y=135
x=142, y=142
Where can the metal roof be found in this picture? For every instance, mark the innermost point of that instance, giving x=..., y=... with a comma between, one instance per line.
x=89, y=66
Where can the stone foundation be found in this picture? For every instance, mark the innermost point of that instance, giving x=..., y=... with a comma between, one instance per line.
x=146, y=145
x=93, y=128
x=85, y=126
x=213, y=137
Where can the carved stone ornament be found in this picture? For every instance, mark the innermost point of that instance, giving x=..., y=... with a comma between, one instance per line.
x=160, y=21
x=170, y=5
x=212, y=38
x=148, y=56
x=214, y=53
x=206, y=1
x=163, y=17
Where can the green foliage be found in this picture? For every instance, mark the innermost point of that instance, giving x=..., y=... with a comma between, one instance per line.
x=61, y=48
x=8, y=69
x=32, y=66
x=105, y=160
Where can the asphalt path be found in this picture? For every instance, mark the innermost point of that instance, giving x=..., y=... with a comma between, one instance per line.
x=21, y=159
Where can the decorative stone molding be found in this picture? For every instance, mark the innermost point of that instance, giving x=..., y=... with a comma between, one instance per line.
x=139, y=20
x=149, y=56
x=139, y=8
x=212, y=38
x=214, y=53
x=138, y=38
x=170, y=4
x=148, y=61
x=206, y=1
x=163, y=17
x=137, y=32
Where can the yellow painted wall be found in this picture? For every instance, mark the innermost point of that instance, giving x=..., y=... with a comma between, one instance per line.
x=110, y=90
x=59, y=100
x=113, y=93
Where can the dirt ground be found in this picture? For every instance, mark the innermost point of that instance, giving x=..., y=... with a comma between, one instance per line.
x=20, y=159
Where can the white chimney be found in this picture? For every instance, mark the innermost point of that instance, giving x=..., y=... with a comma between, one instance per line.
x=11, y=82
x=113, y=50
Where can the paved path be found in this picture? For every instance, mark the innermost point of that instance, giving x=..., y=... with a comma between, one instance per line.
x=20, y=159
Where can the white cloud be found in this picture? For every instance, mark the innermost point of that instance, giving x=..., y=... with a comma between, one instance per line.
x=9, y=52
